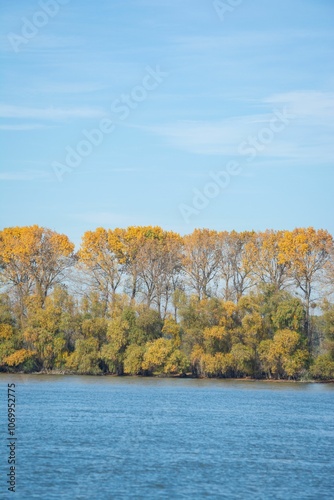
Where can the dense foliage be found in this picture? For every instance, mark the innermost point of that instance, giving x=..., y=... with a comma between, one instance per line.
x=146, y=301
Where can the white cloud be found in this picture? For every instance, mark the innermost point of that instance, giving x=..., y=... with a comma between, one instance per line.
x=245, y=39
x=211, y=137
x=69, y=88
x=50, y=113
x=27, y=175
x=317, y=106
x=40, y=42
x=23, y=126
x=307, y=136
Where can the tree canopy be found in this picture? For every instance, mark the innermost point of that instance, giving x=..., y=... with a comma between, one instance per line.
x=146, y=301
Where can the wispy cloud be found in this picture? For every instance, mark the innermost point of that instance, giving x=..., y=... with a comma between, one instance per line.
x=317, y=106
x=28, y=175
x=304, y=139
x=42, y=43
x=69, y=88
x=210, y=137
x=125, y=169
x=50, y=113
x=201, y=137
x=244, y=39
x=23, y=126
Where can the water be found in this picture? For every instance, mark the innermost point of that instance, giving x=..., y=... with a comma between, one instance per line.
x=119, y=438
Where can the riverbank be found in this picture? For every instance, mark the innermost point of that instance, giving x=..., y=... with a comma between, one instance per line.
x=162, y=376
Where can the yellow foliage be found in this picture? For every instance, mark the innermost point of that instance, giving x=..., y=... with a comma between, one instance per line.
x=216, y=365
x=264, y=254
x=33, y=257
x=23, y=243
x=230, y=309
x=157, y=354
x=18, y=357
x=281, y=356
x=196, y=354
x=323, y=368
x=172, y=329
x=295, y=363
x=201, y=259
x=133, y=359
x=306, y=250
x=215, y=332
x=6, y=331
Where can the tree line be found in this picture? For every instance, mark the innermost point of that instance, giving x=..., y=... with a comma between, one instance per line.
x=146, y=301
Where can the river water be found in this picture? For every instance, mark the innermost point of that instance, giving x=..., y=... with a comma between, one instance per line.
x=117, y=438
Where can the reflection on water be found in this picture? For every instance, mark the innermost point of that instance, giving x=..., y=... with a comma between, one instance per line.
x=109, y=437
x=175, y=383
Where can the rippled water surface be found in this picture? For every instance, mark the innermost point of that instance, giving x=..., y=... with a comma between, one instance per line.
x=115, y=438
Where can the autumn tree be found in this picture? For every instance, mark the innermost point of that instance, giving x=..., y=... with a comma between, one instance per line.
x=52, y=328
x=133, y=360
x=102, y=260
x=220, y=338
x=44, y=332
x=266, y=264
x=33, y=260
x=284, y=356
x=306, y=252
x=162, y=356
x=129, y=242
x=236, y=263
x=195, y=317
x=113, y=352
x=201, y=260
x=158, y=264
x=145, y=324
x=12, y=353
x=323, y=367
x=221, y=304
x=253, y=329
x=327, y=279
x=226, y=266
x=86, y=358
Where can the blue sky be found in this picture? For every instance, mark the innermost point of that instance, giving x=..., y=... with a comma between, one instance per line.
x=247, y=90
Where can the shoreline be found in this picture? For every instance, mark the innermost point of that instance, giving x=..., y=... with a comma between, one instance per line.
x=189, y=377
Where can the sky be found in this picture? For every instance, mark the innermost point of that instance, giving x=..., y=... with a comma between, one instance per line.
x=182, y=114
